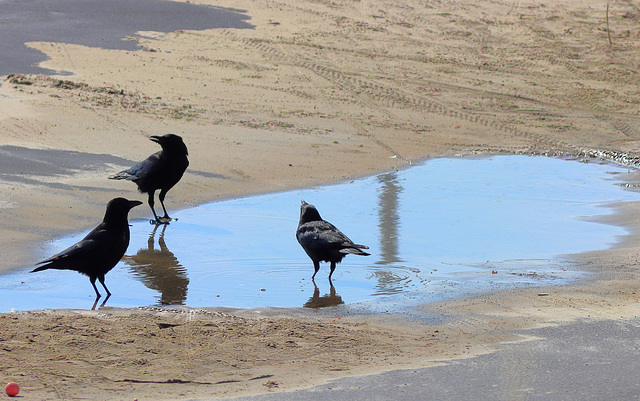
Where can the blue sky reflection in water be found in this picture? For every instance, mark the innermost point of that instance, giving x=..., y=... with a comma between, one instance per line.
x=436, y=231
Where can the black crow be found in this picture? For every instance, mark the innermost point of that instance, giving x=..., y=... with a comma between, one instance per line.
x=322, y=241
x=101, y=249
x=162, y=170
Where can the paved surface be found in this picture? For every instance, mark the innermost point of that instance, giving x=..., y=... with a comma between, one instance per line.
x=96, y=23
x=579, y=361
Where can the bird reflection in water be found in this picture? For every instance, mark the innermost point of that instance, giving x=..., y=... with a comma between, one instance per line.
x=317, y=301
x=159, y=270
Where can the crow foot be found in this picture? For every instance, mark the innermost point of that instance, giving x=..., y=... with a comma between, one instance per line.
x=162, y=220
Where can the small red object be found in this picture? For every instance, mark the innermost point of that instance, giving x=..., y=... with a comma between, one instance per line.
x=12, y=389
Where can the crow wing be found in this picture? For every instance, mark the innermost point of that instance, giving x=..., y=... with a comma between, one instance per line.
x=99, y=243
x=147, y=167
x=322, y=235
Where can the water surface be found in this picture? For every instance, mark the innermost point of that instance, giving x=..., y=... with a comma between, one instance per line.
x=443, y=229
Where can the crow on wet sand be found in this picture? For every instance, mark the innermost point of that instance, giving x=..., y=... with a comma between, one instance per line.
x=97, y=253
x=322, y=241
x=160, y=171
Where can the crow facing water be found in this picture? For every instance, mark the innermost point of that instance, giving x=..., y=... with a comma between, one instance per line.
x=162, y=170
x=97, y=253
x=322, y=241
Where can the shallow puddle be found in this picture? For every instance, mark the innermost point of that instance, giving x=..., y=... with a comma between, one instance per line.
x=439, y=230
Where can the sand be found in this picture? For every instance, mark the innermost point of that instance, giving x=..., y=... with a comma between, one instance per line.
x=320, y=91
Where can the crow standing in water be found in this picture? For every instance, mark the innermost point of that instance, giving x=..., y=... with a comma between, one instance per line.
x=322, y=241
x=162, y=170
x=101, y=249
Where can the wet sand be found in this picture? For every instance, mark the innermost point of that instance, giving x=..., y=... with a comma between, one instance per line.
x=318, y=92
x=111, y=24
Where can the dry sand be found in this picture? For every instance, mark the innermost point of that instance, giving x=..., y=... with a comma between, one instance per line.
x=319, y=91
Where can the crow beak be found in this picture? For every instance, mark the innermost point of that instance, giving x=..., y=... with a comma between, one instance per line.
x=134, y=203
x=303, y=203
x=155, y=138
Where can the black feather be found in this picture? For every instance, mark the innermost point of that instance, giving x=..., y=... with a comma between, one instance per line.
x=322, y=241
x=160, y=171
x=97, y=253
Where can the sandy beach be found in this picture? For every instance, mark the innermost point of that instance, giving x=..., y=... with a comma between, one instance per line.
x=317, y=92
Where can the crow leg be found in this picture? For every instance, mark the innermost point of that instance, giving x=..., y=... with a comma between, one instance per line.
x=105, y=300
x=151, y=204
x=93, y=283
x=333, y=267
x=316, y=266
x=163, y=193
x=101, y=278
